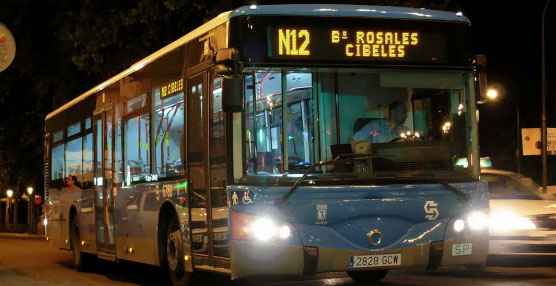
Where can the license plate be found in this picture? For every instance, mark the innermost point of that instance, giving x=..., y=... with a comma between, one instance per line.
x=375, y=260
x=197, y=238
x=462, y=249
x=220, y=235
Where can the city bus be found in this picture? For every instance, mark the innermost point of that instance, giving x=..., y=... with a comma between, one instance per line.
x=233, y=150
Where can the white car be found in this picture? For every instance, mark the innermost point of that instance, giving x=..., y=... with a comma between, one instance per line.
x=522, y=221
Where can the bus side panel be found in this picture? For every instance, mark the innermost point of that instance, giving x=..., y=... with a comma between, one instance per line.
x=58, y=215
x=136, y=213
x=86, y=214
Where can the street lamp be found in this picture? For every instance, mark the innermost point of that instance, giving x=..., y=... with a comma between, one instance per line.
x=543, y=102
x=30, y=213
x=9, y=193
x=492, y=93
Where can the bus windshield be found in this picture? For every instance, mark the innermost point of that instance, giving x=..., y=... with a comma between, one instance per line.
x=415, y=121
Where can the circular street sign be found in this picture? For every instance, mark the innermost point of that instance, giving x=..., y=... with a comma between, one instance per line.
x=7, y=47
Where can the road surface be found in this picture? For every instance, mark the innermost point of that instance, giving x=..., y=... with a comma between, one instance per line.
x=32, y=262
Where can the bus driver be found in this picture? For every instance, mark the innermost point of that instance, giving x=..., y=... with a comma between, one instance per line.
x=386, y=129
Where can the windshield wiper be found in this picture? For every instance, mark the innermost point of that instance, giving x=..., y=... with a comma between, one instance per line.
x=298, y=182
x=447, y=186
x=309, y=170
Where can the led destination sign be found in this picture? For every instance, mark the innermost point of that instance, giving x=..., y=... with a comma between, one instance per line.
x=376, y=44
x=423, y=43
x=367, y=44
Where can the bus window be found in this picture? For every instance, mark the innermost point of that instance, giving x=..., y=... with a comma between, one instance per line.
x=74, y=129
x=137, y=163
x=58, y=135
x=74, y=158
x=264, y=123
x=299, y=121
x=88, y=160
x=169, y=134
x=58, y=164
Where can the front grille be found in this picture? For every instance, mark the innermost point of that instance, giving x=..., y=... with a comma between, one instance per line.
x=198, y=224
x=536, y=248
x=220, y=223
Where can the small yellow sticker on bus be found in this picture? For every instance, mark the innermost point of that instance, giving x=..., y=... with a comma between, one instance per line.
x=171, y=88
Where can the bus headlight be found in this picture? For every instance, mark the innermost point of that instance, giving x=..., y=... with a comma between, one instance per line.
x=507, y=221
x=265, y=229
x=247, y=227
x=459, y=225
x=478, y=220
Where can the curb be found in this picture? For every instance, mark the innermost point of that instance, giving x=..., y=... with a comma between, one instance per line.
x=21, y=235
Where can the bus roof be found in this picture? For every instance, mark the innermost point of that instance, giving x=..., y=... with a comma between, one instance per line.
x=360, y=11
x=334, y=10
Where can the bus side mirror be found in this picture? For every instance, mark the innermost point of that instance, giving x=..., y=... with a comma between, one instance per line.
x=480, y=65
x=227, y=61
x=232, y=94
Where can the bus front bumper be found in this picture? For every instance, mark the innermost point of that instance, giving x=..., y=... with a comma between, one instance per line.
x=251, y=258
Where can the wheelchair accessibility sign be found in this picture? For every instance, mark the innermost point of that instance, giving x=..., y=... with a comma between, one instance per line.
x=242, y=198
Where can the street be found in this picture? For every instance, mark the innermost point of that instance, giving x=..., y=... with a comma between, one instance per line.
x=33, y=262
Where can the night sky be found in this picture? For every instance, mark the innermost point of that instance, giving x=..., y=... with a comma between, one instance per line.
x=509, y=34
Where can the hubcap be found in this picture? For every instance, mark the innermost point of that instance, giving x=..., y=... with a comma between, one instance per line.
x=172, y=254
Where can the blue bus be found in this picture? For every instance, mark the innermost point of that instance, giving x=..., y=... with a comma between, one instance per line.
x=283, y=140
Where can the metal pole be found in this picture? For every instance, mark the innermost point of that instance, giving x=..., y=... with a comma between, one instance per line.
x=543, y=96
x=16, y=218
x=7, y=218
x=518, y=153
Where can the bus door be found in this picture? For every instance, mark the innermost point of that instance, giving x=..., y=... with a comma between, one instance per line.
x=103, y=133
x=207, y=171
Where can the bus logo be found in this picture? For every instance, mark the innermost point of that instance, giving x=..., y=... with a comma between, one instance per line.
x=322, y=211
x=431, y=210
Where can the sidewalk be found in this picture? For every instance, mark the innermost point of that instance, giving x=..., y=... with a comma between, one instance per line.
x=21, y=235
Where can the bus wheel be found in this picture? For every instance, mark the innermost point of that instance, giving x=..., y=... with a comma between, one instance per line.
x=367, y=276
x=174, y=255
x=81, y=261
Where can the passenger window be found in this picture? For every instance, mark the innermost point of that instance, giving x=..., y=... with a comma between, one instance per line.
x=137, y=162
x=57, y=136
x=74, y=129
x=74, y=158
x=88, y=160
x=58, y=164
x=169, y=133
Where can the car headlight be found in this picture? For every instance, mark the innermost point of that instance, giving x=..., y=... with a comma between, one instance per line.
x=507, y=221
x=478, y=220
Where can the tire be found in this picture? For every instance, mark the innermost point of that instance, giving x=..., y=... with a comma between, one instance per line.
x=81, y=261
x=174, y=255
x=367, y=276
